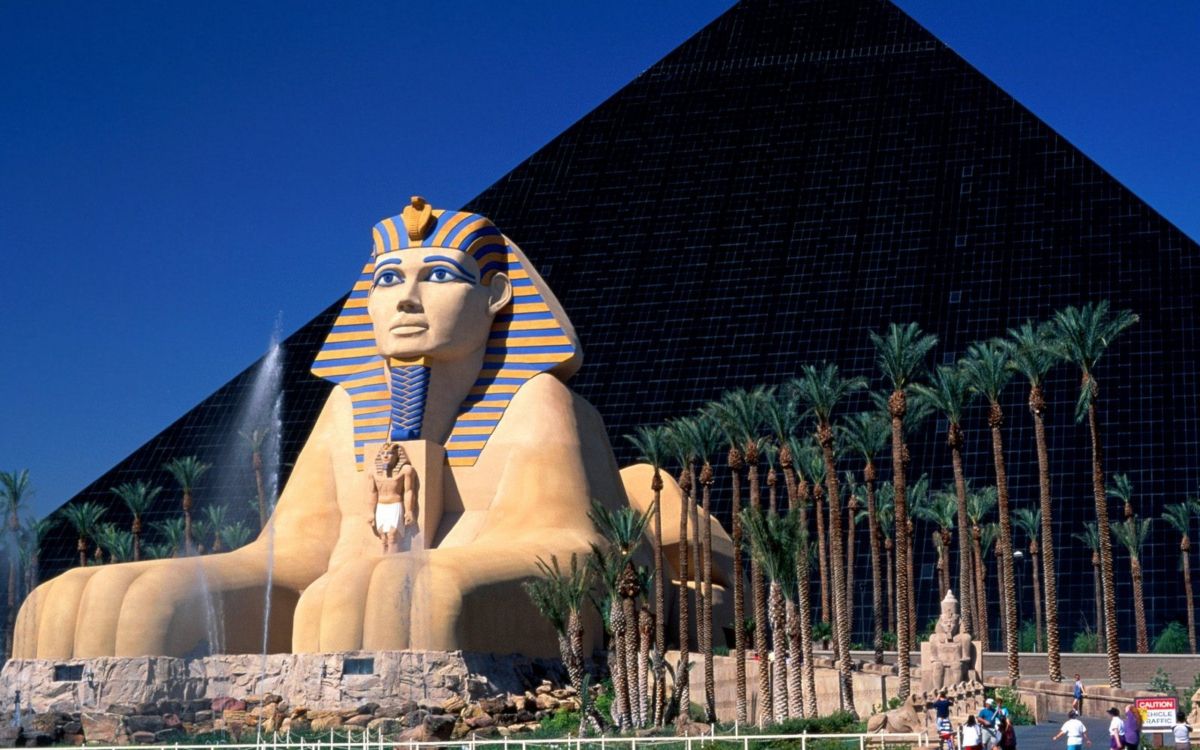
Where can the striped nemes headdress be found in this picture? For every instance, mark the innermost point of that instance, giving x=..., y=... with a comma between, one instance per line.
x=531, y=335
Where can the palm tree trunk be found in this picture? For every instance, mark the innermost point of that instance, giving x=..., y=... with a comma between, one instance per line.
x=629, y=652
x=804, y=655
x=897, y=406
x=795, y=691
x=616, y=621
x=660, y=604
x=965, y=577
x=981, y=620
x=851, y=511
x=1037, y=405
x=14, y=526
x=1185, y=546
x=1011, y=626
x=706, y=616
x=575, y=653
x=822, y=557
x=697, y=575
x=891, y=581
x=81, y=547
x=912, y=589
x=682, y=688
x=645, y=638
x=135, y=529
x=739, y=606
x=260, y=486
x=876, y=572
x=1139, y=605
x=759, y=593
x=1037, y=597
x=998, y=556
x=841, y=621
x=187, y=522
x=1096, y=590
x=779, y=687
x=943, y=565
x=1109, y=595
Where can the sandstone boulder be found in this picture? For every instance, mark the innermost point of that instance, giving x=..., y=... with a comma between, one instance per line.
x=144, y=723
x=395, y=710
x=360, y=720
x=386, y=727
x=103, y=728
x=454, y=704
x=546, y=702
x=227, y=703
x=323, y=721
x=142, y=738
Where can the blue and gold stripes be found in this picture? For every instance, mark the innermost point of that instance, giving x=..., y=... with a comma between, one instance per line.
x=526, y=339
x=468, y=233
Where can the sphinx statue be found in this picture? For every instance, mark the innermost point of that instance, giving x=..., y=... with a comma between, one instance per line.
x=449, y=456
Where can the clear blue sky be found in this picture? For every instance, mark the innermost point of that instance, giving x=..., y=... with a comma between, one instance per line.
x=174, y=176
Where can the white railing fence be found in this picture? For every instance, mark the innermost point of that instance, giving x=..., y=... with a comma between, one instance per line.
x=365, y=741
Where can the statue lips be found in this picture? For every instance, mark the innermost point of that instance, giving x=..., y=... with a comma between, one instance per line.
x=408, y=327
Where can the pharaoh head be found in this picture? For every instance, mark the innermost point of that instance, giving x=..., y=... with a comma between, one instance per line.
x=443, y=286
x=387, y=459
x=438, y=283
x=947, y=624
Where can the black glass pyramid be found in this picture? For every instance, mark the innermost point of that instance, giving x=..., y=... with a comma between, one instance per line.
x=796, y=175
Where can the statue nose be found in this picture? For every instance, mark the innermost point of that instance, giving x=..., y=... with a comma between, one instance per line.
x=409, y=298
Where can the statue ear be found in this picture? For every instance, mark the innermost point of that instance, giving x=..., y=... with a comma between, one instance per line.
x=499, y=293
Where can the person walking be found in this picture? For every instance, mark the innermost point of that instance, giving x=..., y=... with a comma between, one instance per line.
x=1077, y=696
x=988, y=719
x=970, y=736
x=1116, y=729
x=1133, y=728
x=1075, y=731
x=1182, y=732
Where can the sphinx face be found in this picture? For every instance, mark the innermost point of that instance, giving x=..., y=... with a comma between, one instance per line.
x=428, y=302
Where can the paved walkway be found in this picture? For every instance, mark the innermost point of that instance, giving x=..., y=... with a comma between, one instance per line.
x=1037, y=736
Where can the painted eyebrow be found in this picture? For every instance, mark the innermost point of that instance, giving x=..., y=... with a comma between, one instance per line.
x=444, y=259
x=388, y=262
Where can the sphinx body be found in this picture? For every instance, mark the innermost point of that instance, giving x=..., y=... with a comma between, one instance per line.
x=505, y=452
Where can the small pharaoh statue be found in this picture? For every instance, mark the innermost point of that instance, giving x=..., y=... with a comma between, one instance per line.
x=950, y=651
x=393, y=489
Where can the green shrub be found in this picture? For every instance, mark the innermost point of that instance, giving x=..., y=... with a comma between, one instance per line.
x=1027, y=638
x=720, y=650
x=889, y=640
x=821, y=632
x=928, y=629
x=1017, y=711
x=1161, y=683
x=1172, y=640
x=1185, y=701
x=1085, y=642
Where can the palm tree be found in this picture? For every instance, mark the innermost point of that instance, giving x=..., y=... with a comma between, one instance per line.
x=1081, y=336
x=214, y=520
x=651, y=444
x=187, y=472
x=987, y=373
x=172, y=533
x=1090, y=536
x=559, y=596
x=623, y=530
x=707, y=437
x=235, y=535
x=918, y=493
x=83, y=517
x=1179, y=515
x=979, y=504
x=254, y=440
x=683, y=443
x=1030, y=354
x=774, y=540
x=988, y=537
x=819, y=390
x=940, y=509
x=138, y=497
x=15, y=490
x=801, y=628
x=159, y=550
x=885, y=519
x=948, y=393
x=899, y=352
x=1132, y=534
x=867, y=433
x=1029, y=520
x=739, y=415
x=118, y=543
x=1122, y=489
x=854, y=499
x=33, y=533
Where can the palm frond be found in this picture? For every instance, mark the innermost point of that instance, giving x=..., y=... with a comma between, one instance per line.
x=187, y=471
x=138, y=496
x=947, y=391
x=651, y=445
x=1081, y=335
x=986, y=369
x=899, y=351
x=1029, y=520
x=235, y=535
x=1132, y=534
x=1030, y=351
x=867, y=433
x=819, y=390
x=623, y=528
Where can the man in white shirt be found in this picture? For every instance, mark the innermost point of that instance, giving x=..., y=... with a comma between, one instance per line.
x=1074, y=730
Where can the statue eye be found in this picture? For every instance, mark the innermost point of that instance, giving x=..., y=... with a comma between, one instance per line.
x=388, y=278
x=443, y=275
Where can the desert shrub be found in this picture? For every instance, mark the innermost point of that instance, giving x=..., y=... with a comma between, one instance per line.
x=1161, y=682
x=1085, y=642
x=1172, y=640
x=1017, y=711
